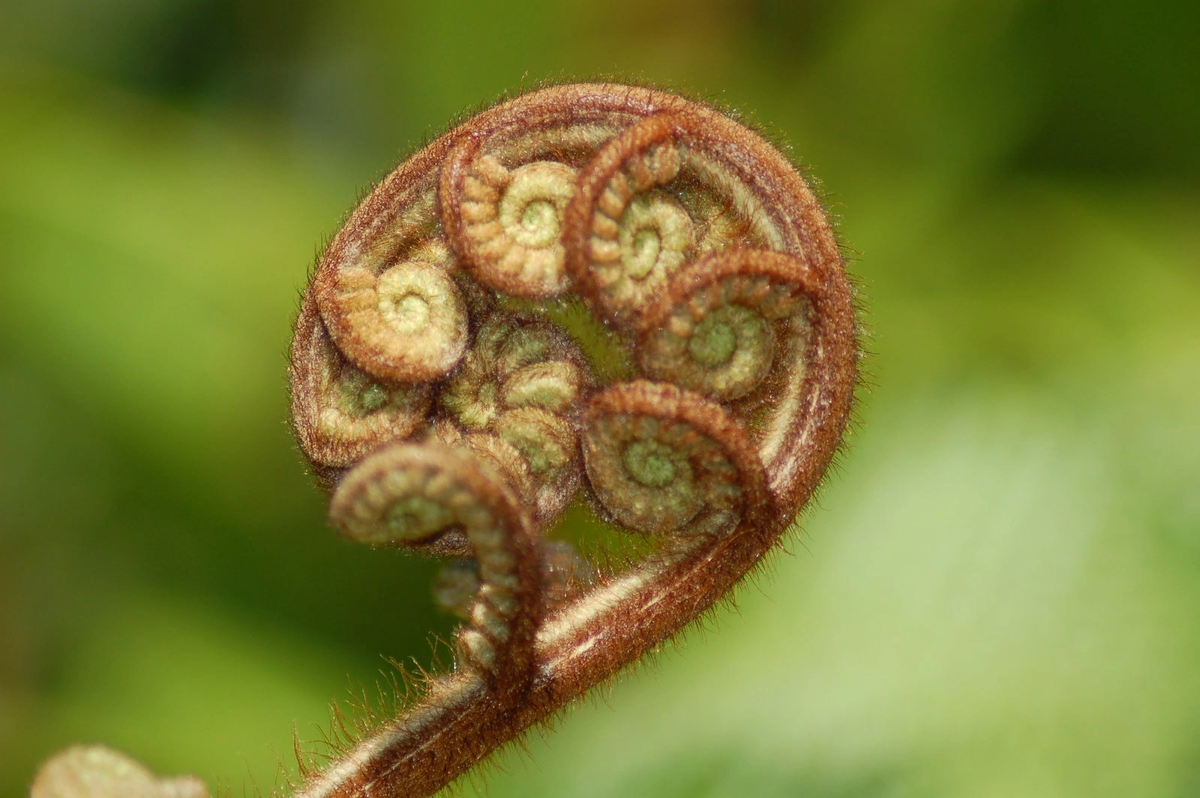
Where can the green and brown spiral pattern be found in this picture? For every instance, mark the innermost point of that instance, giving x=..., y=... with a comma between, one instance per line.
x=448, y=414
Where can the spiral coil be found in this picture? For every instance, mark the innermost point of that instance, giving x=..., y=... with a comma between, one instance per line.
x=434, y=393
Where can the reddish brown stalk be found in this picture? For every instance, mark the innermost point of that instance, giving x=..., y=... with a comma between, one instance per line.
x=436, y=393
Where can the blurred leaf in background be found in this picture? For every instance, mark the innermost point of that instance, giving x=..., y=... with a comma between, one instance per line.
x=999, y=590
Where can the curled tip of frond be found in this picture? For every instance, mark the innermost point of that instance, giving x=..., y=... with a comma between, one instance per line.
x=447, y=391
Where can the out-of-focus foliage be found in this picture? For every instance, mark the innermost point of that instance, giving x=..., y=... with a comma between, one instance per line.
x=999, y=592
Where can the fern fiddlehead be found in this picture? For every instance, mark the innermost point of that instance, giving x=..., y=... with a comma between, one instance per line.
x=435, y=392
x=436, y=395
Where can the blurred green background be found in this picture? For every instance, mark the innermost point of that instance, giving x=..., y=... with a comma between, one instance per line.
x=998, y=592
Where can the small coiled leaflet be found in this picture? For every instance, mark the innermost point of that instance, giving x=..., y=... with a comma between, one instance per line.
x=717, y=331
x=503, y=193
x=626, y=236
x=403, y=319
x=339, y=412
x=442, y=500
x=657, y=456
x=517, y=391
x=507, y=223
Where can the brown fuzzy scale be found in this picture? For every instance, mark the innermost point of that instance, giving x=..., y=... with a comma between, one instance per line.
x=749, y=231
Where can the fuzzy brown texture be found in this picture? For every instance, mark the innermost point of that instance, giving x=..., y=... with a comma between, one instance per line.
x=666, y=218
